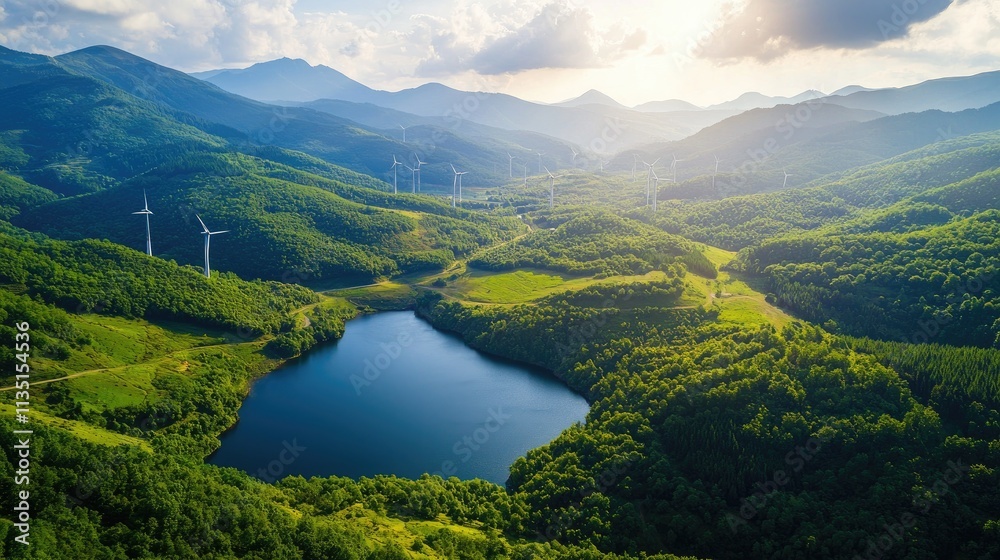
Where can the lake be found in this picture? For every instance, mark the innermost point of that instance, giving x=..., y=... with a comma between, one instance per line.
x=395, y=396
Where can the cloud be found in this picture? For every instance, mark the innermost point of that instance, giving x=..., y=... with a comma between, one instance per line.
x=559, y=35
x=768, y=29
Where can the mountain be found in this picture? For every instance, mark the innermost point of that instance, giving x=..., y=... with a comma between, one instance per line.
x=752, y=144
x=135, y=115
x=945, y=94
x=668, y=106
x=287, y=79
x=754, y=100
x=809, y=141
x=848, y=90
x=586, y=122
x=282, y=221
x=592, y=97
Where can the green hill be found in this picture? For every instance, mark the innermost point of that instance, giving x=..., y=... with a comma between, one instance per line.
x=280, y=229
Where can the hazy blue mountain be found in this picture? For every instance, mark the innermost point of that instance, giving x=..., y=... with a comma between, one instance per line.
x=754, y=100
x=945, y=94
x=848, y=90
x=754, y=149
x=287, y=80
x=591, y=97
x=586, y=125
x=668, y=106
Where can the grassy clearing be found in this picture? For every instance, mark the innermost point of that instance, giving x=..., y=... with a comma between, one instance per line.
x=526, y=285
x=385, y=296
x=118, y=342
x=80, y=429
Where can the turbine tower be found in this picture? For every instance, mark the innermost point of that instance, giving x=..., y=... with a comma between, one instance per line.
x=395, y=164
x=419, y=163
x=456, y=185
x=552, y=188
x=413, y=176
x=208, y=240
x=510, y=165
x=540, y=154
x=525, y=166
x=404, y=133
x=145, y=211
x=717, y=160
x=673, y=166
x=656, y=186
x=649, y=177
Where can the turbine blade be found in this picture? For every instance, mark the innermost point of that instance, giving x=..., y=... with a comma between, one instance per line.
x=202, y=224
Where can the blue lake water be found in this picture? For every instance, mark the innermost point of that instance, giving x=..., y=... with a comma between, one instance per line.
x=395, y=396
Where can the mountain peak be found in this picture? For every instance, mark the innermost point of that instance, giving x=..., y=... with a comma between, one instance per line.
x=591, y=97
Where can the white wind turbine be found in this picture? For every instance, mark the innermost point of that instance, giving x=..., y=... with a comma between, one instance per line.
x=457, y=185
x=419, y=163
x=673, y=166
x=540, y=154
x=552, y=188
x=717, y=160
x=787, y=175
x=525, y=166
x=404, y=133
x=649, y=177
x=395, y=164
x=208, y=240
x=510, y=165
x=145, y=211
x=413, y=176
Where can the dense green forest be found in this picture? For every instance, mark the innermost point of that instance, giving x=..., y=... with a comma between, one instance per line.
x=592, y=242
x=284, y=223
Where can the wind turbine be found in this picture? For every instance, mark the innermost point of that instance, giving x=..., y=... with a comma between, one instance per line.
x=717, y=160
x=540, y=154
x=552, y=188
x=456, y=185
x=208, y=239
x=510, y=164
x=525, y=166
x=404, y=133
x=785, y=183
x=419, y=163
x=413, y=176
x=395, y=164
x=649, y=176
x=673, y=166
x=147, y=213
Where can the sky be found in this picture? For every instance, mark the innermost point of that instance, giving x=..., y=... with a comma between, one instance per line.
x=703, y=51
